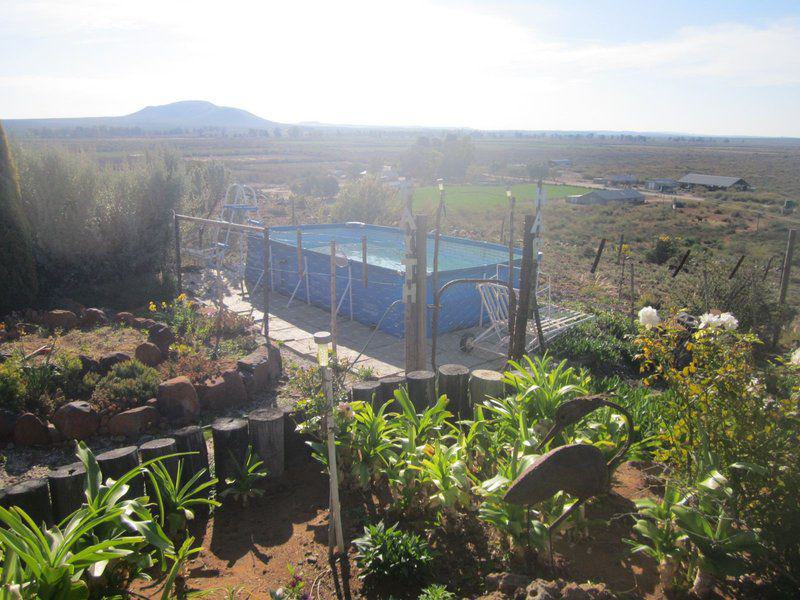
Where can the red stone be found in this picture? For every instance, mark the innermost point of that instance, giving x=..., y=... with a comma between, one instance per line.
x=30, y=430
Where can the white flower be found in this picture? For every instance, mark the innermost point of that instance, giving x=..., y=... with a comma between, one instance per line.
x=709, y=320
x=795, y=358
x=728, y=321
x=648, y=317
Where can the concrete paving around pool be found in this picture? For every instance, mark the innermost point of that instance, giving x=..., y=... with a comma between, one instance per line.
x=295, y=326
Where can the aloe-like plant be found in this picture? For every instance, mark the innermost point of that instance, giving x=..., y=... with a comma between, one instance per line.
x=243, y=485
x=175, y=583
x=443, y=472
x=176, y=498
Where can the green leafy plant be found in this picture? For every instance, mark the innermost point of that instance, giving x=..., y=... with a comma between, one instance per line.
x=436, y=592
x=128, y=384
x=387, y=554
x=294, y=590
x=175, y=582
x=176, y=498
x=12, y=386
x=242, y=486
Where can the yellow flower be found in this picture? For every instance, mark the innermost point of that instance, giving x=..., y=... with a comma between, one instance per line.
x=428, y=449
x=181, y=297
x=152, y=306
x=163, y=305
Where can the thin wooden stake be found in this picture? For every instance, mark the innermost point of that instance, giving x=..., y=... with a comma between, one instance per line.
x=598, y=255
x=619, y=249
x=178, y=275
x=525, y=287
x=736, y=267
x=511, y=304
x=681, y=263
x=633, y=295
x=265, y=278
x=767, y=267
x=334, y=325
x=785, y=275
x=421, y=305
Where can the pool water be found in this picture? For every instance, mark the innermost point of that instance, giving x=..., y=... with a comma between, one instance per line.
x=386, y=246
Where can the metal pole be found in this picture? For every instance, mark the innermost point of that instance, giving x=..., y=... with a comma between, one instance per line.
x=512, y=305
x=437, y=228
x=178, y=276
x=299, y=251
x=422, y=287
x=333, y=297
x=265, y=282
x=364, y=260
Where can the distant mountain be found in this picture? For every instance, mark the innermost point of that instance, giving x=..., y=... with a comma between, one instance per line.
x=188, y=114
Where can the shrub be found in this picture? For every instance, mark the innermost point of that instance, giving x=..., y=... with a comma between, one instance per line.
x=12, y=387
x=17, y=267
x=663, y=249
x=436, y=592
x=127, y=384
x=101, y=235
x=34, y=385
x=366, y=200
x=389, y=555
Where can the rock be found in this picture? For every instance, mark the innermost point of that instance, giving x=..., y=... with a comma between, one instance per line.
x=124, y=317
x=507, y=583
x=59, y=319
x=77, y=420
x=149, y=354
x=152, y=402
x=92, y=317
x=55, y=435
x=586, y=591
x=109, y=360
x=133, y=422
x=142, y=323
x=260, y=368
x=88, y=364
x=162, y=336
x=541, y=589
x=177, y=399
x=30, y=430
x=223, y=392
x=7, y=421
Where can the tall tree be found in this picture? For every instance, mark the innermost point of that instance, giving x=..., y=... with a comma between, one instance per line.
x=17, y=266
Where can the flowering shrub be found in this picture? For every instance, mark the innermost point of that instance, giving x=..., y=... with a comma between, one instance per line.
x=664, y=248
x=128, y=384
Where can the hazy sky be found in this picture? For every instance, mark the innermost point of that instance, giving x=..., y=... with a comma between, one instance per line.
x=724, y=67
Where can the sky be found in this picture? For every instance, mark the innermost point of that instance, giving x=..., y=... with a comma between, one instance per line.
x=727, y=67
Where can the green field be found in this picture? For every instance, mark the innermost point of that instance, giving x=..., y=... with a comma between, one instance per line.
x=488, y=196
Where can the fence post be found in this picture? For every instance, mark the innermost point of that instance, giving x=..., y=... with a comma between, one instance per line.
x=597, y=255
x=178, y=276
x=736, y=267
x=422, y=287
x=619, y=249
x=364, y=260
x=299, y=252
x=633, y=294
x=525, y=285
x=454, y=383
x=681, y=263
x=785, y=274
x=511, y=304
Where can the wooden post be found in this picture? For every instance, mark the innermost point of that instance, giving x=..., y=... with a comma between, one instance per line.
x=681, y=263
x=364, y=260
x=436, y=235
x=633, y=295
x=299, y=252
x=525, y=286
x=178, y=275
x=421, y=388
x=366, y=391
x=415, y=292
x=334, y=324
x=597, y=255
x=785, y=275
x=537, y=318
x=115, y=463
x=454, y=383
x=161, y=447
x=191, y=439
x=67, y=489
x=388, y=385
x=619, y=249
x=265, y=282
x=736, y=267
x=767, y=268
x=512, y=306
x=485, y=384
x=32, y=496
x=294, y=213
x=230, y=447
x=266, y=437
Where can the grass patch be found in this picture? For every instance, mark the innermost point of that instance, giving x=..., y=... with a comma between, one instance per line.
x=488, y=196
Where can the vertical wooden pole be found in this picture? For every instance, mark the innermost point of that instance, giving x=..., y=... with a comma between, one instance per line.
x=511, y=304
x=598, y=255
x=525, y=286
x=619, y=249
x=265, y=282
x=410, y=296
x=633, y=294
x=537, y=319
x=436, y=234
x=299, y=252
x=334, y=326
x=767, y=268
x=364, y=260
x=736, y=267
x=681, y=263
x=422, y=287
x=178, y=276
x=785, y=275
x=294, y=214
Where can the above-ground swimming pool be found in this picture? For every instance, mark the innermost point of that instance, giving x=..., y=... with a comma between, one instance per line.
x=458, y=258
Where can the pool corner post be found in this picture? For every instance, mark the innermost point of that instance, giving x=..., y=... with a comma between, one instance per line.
x=415, y=290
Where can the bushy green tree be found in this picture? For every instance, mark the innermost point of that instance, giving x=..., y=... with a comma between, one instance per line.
x=17, y=266
x=367, y=200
